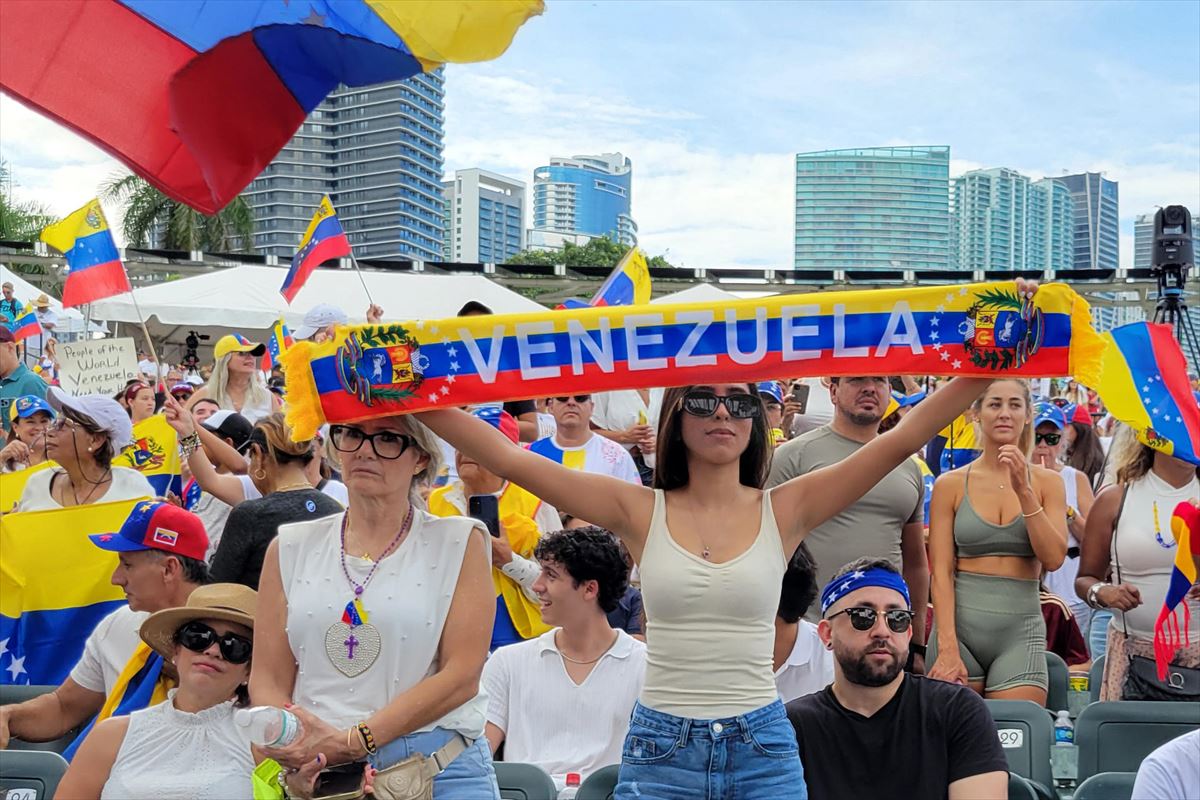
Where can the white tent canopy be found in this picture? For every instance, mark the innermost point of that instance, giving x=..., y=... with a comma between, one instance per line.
x=246, y=299
x=70, y=320
x=700, y=293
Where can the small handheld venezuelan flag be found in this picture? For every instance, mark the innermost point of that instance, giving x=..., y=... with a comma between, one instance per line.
x=1185, y=527
x=277, y=344
x=26, y=325
x=627, y=285
x=96, y=268
x=324, y=239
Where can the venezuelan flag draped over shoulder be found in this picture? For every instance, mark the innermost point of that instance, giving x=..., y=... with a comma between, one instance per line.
x=84, y=238
x=980, y=329
x=1144, y=383
x=323, y=239
x=55, y=586
x=204, y=94
x=1185, y=527
x=155, y=454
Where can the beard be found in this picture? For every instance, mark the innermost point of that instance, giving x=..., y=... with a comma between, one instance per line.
x=858, y=668
x=861, y=418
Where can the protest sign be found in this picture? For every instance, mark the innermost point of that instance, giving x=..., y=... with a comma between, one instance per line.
x=96, y=366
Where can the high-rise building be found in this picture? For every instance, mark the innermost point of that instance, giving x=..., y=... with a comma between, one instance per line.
x=377, y=152
x=873, y=208
x=586, y=194
x=1004, y=221
x=485, y=217
x=1143, y=238
x=1097, y=234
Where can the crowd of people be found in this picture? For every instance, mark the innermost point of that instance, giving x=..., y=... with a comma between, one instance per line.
x=724, y=589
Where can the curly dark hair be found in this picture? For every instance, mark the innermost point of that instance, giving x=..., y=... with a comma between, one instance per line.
x=799, y=586
x=589, y=554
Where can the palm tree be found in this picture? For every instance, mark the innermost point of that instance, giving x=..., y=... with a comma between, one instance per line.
x=148, y=212
x=20, y=220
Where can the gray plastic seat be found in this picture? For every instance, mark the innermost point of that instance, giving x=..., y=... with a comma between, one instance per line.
x=1106, y=786
x=1019, y=788
x=524, y=782
x=600, y=784
x=10, y=694
x=1060, y=683
x=31, y=769
x=1116, y=736
x=1095, y=678
x=1030, y=724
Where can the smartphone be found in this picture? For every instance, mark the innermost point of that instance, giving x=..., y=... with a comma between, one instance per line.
x=486, y=509
x=800, y=395
x=344, y=780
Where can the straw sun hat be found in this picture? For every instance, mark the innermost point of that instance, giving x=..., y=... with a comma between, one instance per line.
x=227, y=602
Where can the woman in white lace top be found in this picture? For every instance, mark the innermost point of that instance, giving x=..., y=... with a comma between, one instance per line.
x=188, y=747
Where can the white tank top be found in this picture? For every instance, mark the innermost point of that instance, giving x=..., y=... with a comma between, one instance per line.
x=1144, y=561
x=407, y=602
x=1062, y=580
x=710, y=628
x=171, y=753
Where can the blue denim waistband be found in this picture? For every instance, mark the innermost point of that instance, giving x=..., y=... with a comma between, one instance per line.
x=712, y=729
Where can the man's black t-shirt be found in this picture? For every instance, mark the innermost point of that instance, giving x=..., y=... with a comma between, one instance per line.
x=929, y=735
x=253, y=524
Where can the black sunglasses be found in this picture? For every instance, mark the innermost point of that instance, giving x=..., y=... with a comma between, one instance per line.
x=1049, y=438
x=863, y=618
x=579, y=398
x=387, y=445
x=740, y=405
x=198, y=637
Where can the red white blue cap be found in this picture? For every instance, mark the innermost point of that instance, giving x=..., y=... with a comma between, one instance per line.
x=1048, y=412
x=29, y=404
x=771, y=388
x=157, y=526
x=501, y=420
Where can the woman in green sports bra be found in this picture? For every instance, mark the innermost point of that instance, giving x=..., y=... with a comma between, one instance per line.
x=994, y=525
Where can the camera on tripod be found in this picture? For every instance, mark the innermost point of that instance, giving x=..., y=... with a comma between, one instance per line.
x=191, y=360
x=1173, y=257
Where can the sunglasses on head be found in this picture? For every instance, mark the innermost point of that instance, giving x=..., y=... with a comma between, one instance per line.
x=740, y=405
x=1049, y=438
x=198, y=637
x=863, y=619
x=579, y=398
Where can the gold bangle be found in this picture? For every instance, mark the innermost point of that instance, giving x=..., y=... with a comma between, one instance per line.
x=1040, y=509
x=349, y=736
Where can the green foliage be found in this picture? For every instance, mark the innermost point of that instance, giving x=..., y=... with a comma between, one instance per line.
x=146, y=208
x=20, y=220
x=599, y=252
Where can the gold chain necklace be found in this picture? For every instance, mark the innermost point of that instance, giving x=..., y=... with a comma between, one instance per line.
x=585, y=663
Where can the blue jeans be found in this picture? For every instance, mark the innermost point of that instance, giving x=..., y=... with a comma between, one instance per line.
x=750, y=757
x=1098, y=632
x=468, y=777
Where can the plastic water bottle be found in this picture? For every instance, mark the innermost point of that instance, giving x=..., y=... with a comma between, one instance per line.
x=569, y=791
x=269, y=726
x=1064, y=731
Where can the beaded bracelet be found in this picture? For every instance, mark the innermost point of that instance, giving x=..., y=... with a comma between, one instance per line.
x=189, y=444
x=368, y=738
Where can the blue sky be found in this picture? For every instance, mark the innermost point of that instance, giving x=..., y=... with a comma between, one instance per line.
x=712, y=100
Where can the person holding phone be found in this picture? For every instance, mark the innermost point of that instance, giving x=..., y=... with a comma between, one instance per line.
x=712, y=547
x=374, y=624
x=516, y=519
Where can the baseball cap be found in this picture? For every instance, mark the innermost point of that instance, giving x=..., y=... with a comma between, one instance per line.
x=501, y=420
x=107, y=413
x=908, y=400
x=1077, y=413
x=27, y=405
x=236, y=343
x=1048, y=412
x=771, y=388
x=229, y=425
x=157, y=526
x=182, y=388
x=320, y=316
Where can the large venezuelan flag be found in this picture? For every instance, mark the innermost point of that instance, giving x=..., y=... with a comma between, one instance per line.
x=198, y=96
x=84, y=238
x=155, y=454
x=1143, y=383
x=323, y=239
x=55, y=586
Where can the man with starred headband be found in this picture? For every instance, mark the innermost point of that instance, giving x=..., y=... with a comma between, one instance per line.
x=910, y=736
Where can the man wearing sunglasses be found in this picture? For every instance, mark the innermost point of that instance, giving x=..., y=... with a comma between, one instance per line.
x=161, y=561
x=888, y=521
x=913, y=736
x=576, y=446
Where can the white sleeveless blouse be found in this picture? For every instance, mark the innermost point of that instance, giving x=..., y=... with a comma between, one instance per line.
x=406, y=602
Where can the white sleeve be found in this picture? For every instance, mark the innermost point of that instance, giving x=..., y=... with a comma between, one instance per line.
x=524, y=571
x=600, y=411
x=547, y=519
x=1159, y=777
x=88, y=672
x=626, y=469
x=495, y=680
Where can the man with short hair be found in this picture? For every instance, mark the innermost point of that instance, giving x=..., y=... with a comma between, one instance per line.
x=562, y=701
x=914, y=736
x=160, y=561
x=10, y=307
x=888, y=521
x=16, y=379
x=576, y=446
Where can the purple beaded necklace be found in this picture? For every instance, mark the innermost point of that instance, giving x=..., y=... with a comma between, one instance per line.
x=359, y=588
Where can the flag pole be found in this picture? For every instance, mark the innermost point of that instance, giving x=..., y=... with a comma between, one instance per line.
x=363, y=280
x=149, y=342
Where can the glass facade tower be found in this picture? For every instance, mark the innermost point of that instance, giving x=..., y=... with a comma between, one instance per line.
x=1004, y=221
x=1097, y=233
x=589, y=195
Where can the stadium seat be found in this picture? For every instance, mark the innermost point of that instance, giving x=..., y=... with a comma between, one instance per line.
x=1095, y=678
x=1026, y=734
x=1060, y=683
x=1019, y=788
x=1116, y=736
x=600, y=784
x=524, y=782
x=19, y=694
x=1106, y=786
x=29, y=769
